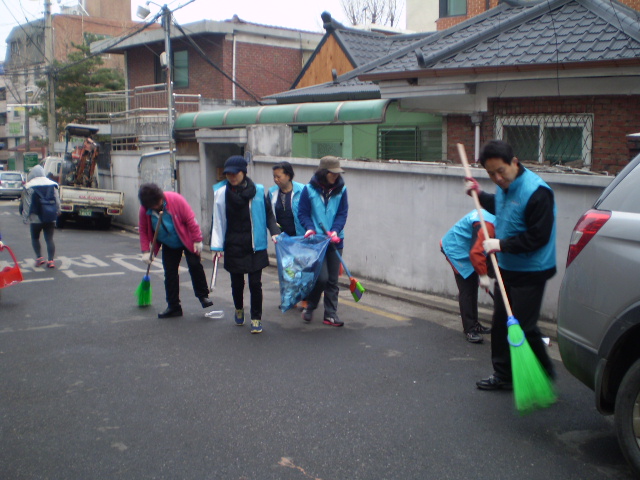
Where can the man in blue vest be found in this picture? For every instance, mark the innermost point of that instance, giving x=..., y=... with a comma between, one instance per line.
x=525, y=228
x=462, y=247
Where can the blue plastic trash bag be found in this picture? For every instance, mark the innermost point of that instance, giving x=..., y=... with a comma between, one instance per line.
x=299, y=264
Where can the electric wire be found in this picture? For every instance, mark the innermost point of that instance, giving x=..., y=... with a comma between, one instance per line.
x=202, y=54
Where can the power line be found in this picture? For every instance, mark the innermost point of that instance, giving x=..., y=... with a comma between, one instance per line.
x=202, y=54
x=29, y=37
x=111, y=45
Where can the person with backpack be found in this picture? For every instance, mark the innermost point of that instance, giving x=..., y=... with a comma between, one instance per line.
x=40, y=207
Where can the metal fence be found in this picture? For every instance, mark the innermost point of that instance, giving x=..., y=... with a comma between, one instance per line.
x=549, y=139
x=139, y=115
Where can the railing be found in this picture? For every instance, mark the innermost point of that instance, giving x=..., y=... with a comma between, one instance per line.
x=138, y=116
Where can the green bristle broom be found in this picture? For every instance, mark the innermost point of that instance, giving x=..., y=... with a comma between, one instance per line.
x=143, y=292
x=532, y=388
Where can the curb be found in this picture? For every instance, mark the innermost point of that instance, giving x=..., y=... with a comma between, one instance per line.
x=426, y=300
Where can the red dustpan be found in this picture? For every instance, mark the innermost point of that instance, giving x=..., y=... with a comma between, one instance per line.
x=10, y=275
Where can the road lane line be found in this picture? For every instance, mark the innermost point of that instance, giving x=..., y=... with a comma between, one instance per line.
x=375, y=311
x=38, y=280
x=72, y=274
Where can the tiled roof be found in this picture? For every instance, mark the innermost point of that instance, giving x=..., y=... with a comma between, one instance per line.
x=346, y=87
x=526, y=33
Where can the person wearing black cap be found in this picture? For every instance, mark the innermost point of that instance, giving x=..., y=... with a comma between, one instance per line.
x=324, y=208
x=242, y=214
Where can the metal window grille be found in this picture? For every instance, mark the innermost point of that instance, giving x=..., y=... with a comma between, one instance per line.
x=410, y=144
x=552, y=139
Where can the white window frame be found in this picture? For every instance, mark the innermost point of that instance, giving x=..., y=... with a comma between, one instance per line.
x=544, y=121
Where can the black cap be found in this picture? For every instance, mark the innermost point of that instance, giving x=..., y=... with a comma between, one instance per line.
x=235, y=164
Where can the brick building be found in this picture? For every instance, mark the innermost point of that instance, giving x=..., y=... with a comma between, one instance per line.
x=557, y=79
x=262, y=59
x=25, y=60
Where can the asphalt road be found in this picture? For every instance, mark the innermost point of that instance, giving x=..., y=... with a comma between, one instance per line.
x=94, y=387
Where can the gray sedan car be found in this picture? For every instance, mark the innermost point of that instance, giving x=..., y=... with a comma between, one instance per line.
x=599, y=306
x=11, y=184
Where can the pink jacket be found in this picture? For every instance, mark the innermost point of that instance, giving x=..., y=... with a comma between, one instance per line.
x=184, y=221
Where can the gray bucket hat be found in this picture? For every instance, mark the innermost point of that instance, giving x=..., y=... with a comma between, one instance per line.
x=331, y=164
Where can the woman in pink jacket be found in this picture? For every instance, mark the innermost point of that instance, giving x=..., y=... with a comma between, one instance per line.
x=178, y=233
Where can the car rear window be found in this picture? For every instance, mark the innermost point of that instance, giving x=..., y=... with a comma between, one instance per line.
x=11, y=177
x=625, y=197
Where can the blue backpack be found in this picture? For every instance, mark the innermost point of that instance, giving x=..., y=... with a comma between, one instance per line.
x=43, y=204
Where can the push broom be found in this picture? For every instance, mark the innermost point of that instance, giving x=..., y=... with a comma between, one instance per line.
x=143, y=292
x=532, y=388
x=355, y=287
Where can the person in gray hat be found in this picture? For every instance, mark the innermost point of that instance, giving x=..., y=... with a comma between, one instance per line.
x=242, y=214
x=323, y=208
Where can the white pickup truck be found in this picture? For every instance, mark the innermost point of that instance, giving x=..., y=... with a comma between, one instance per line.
x=84, y=203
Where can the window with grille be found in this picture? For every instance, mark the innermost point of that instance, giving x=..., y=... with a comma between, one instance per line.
x=410, y=143
x=552, y=139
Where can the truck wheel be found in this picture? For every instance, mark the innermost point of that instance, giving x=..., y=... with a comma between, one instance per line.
x=627, y=416
x=61, y=220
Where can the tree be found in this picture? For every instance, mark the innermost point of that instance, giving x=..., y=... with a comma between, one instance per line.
x=379, y=12
x=80, y=74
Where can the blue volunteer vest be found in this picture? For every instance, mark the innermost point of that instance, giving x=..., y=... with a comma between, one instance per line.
x=457, y=241
x=510, y=208
x=219, y=220
x=324, y=213
x=295, y=200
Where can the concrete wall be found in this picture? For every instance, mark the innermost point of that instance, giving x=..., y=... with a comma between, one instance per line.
x=398, y=212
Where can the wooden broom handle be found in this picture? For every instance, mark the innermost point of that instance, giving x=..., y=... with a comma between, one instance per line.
x=494, y=261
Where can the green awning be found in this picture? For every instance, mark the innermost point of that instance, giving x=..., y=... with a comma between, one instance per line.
x=325, y=113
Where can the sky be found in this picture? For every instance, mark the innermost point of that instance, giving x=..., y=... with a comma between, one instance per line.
x=299, y=14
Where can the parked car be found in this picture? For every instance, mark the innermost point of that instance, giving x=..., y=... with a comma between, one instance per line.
x=599, y=306
x=11, y=184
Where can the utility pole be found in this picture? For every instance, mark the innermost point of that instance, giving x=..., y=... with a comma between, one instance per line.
x=52, y=131
x=166, y=23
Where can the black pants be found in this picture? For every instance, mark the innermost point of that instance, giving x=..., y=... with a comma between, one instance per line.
x=171, y=258
x=468, y=300
x=255, y=290
x=525, y=303
x=47, y=229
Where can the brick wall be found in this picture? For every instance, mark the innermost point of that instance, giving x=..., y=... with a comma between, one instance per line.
x=262, y=69
x=70, y=29
x=614, y=118
x=476, y=7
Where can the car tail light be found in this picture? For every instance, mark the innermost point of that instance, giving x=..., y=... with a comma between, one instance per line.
x=585, y=229
x=66, y=208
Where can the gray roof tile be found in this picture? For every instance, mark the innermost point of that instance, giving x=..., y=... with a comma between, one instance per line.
x=531, y=33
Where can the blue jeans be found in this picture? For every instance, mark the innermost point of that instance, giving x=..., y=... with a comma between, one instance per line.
x=47, y=229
